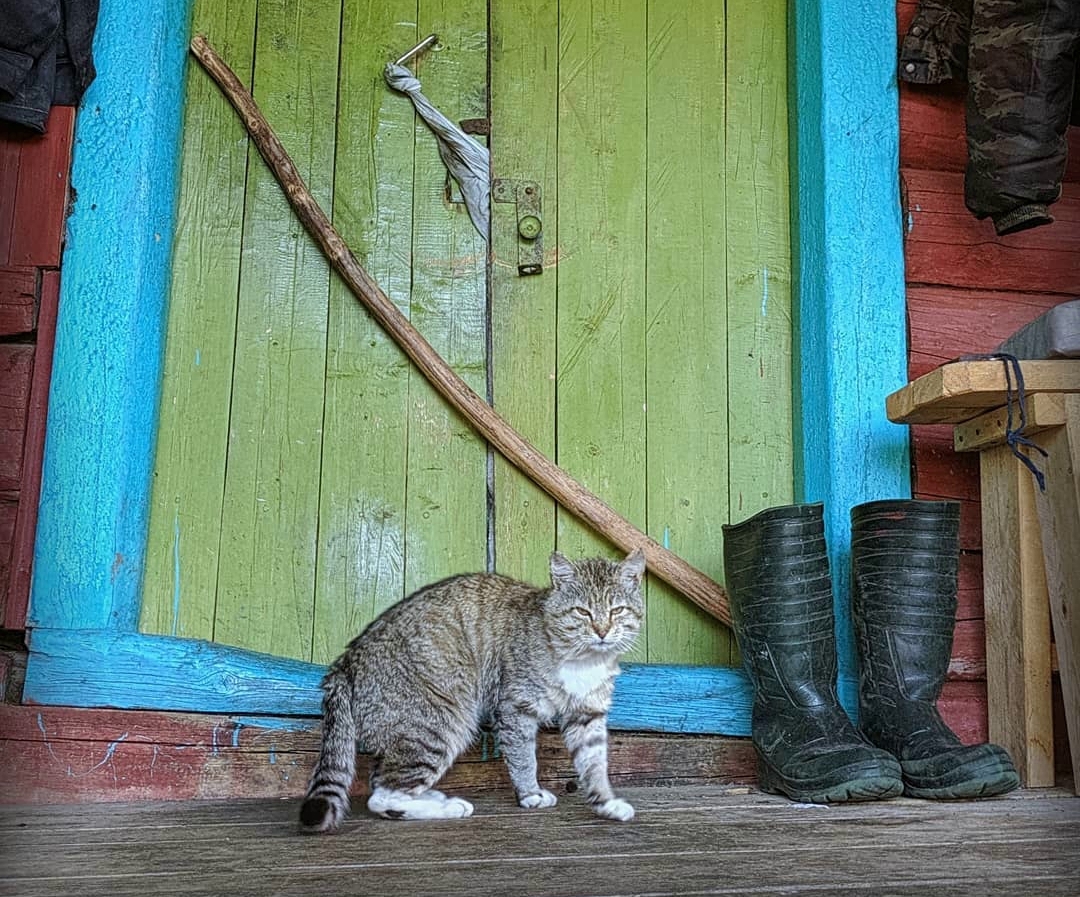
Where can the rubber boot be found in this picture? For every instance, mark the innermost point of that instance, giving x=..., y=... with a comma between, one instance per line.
x=904, y=562
x=782, y=604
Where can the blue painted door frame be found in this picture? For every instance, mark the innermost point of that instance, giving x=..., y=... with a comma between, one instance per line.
x=91, y=540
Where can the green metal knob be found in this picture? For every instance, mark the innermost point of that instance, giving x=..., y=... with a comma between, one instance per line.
x=529, y=226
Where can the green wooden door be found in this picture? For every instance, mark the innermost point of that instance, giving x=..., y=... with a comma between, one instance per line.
x=306, y=475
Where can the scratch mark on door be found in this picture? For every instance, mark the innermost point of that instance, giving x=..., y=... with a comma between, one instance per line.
x=176, y=574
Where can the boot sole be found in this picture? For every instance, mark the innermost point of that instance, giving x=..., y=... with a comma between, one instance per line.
x=987, y=775
x=850, y=788
x=984, y=784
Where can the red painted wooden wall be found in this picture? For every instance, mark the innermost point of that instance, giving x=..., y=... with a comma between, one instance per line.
x=967, y=290
x=33, y=201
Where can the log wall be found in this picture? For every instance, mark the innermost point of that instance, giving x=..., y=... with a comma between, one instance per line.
x=967, y=290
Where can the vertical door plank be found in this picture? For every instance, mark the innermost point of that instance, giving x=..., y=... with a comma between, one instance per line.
x=362, y=501
x=601, y=279
x=759, y=257
x=180, y=577
x=267, y=575
x=686, y=318
x=446, y=507
x=524, y=114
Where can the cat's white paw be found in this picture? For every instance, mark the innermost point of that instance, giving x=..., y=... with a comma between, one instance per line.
x=457, y=808
x=542, y=798
x=616, y=808
x=425, y=805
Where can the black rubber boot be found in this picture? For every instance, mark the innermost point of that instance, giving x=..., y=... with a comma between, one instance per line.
x=904, y=562
x=781, y=600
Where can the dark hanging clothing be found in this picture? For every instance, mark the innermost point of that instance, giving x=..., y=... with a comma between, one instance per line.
x=46, y=57
x=1022, y=62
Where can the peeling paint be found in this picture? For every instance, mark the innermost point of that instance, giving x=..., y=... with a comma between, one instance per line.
x=764, y=292
x=45, y=739
x=281, y=723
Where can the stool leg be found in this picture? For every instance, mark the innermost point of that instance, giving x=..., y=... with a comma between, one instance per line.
x=1017, y=618
x=1059, y=519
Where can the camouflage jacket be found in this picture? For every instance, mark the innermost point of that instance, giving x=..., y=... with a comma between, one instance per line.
x=1022, y=62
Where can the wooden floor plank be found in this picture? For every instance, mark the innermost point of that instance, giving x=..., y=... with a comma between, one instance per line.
x=541, y=834
x=686, y=840
x=922, y=869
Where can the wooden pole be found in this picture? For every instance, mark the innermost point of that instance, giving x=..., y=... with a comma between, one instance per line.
x=569, y=493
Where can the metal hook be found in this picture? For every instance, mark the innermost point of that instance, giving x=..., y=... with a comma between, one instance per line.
x=418, y=49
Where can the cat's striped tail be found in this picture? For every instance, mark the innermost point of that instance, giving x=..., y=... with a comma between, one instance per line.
x=327, y=801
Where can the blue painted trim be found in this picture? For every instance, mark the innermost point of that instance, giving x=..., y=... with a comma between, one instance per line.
x=133, y=671
x=100, y=439
x=851, y=328
x=102, y=422
x=107, y=668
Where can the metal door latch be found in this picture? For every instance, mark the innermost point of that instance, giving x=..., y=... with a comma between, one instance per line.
x=530, y=224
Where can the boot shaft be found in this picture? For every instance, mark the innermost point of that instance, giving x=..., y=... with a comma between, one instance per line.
x=904, y=563
x=777, y=572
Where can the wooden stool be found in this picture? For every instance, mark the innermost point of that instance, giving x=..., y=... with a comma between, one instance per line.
x=1031, y=543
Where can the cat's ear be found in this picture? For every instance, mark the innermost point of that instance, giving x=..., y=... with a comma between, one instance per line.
x=562, y=571
x=633, y=568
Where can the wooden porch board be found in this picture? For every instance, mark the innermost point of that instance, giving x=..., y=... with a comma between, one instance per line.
x=701, y=840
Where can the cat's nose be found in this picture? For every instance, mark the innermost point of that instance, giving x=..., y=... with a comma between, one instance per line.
x=601, y=631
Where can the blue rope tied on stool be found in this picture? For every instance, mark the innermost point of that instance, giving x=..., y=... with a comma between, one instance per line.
x=1014, y=434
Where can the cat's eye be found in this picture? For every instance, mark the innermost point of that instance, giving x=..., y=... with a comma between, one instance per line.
x=619, y=609
x=582, y=612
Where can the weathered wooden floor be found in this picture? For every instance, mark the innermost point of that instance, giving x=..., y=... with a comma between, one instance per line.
x=685, y=840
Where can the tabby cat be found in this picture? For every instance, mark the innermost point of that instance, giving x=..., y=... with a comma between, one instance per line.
x=416, y=686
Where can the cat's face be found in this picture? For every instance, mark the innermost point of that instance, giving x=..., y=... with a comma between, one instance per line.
x=595, y=605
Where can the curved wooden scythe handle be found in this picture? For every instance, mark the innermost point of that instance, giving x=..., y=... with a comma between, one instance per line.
x=676, y=572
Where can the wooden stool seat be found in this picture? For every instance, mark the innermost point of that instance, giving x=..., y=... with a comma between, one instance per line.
x=1031, y=542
